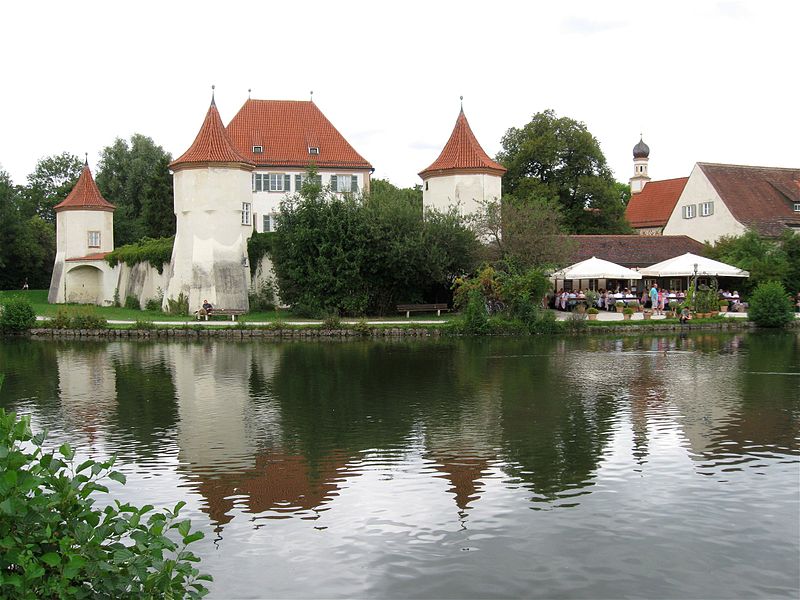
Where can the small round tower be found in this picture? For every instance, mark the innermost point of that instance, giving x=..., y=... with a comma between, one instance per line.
x=641, y=156
x=213, y=210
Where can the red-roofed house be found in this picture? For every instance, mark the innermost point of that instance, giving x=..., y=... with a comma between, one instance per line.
x=463, y=175
x=283, y=138
x=649, y=210
x=720, y=200
x=84, y=235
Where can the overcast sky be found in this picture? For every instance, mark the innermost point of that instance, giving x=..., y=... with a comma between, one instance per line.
x=708, y=81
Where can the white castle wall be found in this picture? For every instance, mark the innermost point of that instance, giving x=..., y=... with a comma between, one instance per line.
x=143, y=281
x=465, y=190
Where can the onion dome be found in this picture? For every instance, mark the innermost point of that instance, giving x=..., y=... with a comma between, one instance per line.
x=641, y=150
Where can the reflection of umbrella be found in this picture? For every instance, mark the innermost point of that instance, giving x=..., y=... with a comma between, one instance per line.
x=689, y=265
x=596, y=268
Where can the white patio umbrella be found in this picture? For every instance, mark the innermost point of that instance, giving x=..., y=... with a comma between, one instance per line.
x=690, y=264
x=596, y=268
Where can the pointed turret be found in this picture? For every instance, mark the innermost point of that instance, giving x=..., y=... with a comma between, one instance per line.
x=85, y=195
x=463, y=176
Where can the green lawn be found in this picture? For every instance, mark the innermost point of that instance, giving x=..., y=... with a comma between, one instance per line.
x=38, y=298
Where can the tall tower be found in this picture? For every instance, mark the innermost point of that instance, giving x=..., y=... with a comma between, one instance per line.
x=641, y=156
x=213, y=209
x=84, y=235
x=463, y=175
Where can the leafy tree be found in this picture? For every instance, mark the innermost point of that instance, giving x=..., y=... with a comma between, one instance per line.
x=353, y=255
x=770, y=305
x=528, y=232
x=558, y=159
x=135, y=177
x=386, y=191
x=51, y=181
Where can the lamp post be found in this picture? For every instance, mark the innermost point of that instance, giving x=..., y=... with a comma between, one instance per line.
x=694, y=288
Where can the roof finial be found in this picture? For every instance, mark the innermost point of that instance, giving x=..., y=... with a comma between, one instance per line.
x=213, y=103
x=462, y=102
x=86, y=159
x=312, y=95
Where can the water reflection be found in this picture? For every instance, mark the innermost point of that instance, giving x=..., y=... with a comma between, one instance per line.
x=465, y=431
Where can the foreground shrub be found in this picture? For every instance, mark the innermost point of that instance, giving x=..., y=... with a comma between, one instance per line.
x=476, y=318
x=770, y=305
x=17, y=315
x=132, y=302
x=262, y=297
x=81, y=318
x=54, y=543
x=179, y=305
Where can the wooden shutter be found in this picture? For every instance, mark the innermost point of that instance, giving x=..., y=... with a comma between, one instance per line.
x=334, y=187
x=298, y=183
x=287, y=183
x=354, y=183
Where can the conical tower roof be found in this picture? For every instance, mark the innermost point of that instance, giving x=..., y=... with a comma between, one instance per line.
x=462, y=152
x=212, y=145
x=85, y=195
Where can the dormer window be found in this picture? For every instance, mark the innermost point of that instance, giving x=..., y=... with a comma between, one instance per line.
x=258, y=149
x=797, y=207
x=313, y=150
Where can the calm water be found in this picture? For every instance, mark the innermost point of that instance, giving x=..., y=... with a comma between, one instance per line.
x=571, y=468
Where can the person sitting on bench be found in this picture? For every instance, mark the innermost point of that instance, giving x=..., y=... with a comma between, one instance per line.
x=205, y=310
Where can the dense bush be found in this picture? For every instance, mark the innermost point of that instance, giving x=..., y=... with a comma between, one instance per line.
x=77, y=318
x=476, y=319
x=157, y=252
x=262, y=297
x=17, y=314
x=364, y=255
x=132, y=302
x=178, y=306
x=54, y=543
x=770, y=305
x=153, y=304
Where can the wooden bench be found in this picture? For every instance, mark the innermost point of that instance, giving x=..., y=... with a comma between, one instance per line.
x=409, y=308
x=225, y=312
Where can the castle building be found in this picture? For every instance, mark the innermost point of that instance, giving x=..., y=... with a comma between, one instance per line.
x=463, y=176
x=213, y=210
x=84, y=235
x=283, y=138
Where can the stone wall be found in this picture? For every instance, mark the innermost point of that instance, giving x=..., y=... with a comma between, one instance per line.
x=143, y=281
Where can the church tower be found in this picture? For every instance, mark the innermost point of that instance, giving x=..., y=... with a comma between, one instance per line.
x=463, y=175
x=641, y=156
x=84, y=235
x=213, y=209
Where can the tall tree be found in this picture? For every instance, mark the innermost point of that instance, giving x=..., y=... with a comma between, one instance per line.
x=135, y=177
x=557, y=158
x=51, y=181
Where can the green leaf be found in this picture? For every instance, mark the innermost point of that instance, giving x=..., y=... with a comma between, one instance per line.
x=51, y=558
x=66, y=451
x=117, y=476
x=75, y=564
x=184, y=527
x=84, y=465
x=197, y=535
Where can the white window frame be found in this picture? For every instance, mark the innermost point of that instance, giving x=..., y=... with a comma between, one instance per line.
x=276, y=182
x=340, y=179
x=260, y=182
x=688, y=211
x=93, y=236
x=313, y=150
x=706, y=209
x=269, y=222
x=797, y=207
x=246, y=212
x=258, y=149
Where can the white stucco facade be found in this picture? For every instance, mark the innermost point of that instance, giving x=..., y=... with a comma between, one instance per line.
x=463, y=190
x=81, y=234
x=209, y=258
x=700, y=212
x=267, y=203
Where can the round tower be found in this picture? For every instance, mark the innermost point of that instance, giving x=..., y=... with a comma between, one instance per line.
x=213, y=210
x=463, y=176
x=84, y=235
x=641, y=156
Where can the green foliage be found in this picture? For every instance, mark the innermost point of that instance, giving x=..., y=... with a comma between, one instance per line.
x=557, y=159
x=332, y=322
x=765, y=259
x=153, y=304
x=17, y=315
x=770, y=305
x=262, y=297
x=135, y=177
x=179, y=305
x=354, y=255
x=132, y=302
x=57, y=544
x=476, y=319
x=157, y=252
x=77, y=318
x=144, y=325
x=706, y=299
x=51, y=182
x=627, y=310
x=258, y=246
x=361, y=326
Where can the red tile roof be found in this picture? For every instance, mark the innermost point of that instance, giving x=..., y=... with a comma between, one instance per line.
x=761, y=198
x=653, y=206
x=212, y=145
x=632, y=250
x=286, y=130
x=462, y=152
x=85, y=195
x=95, y=256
